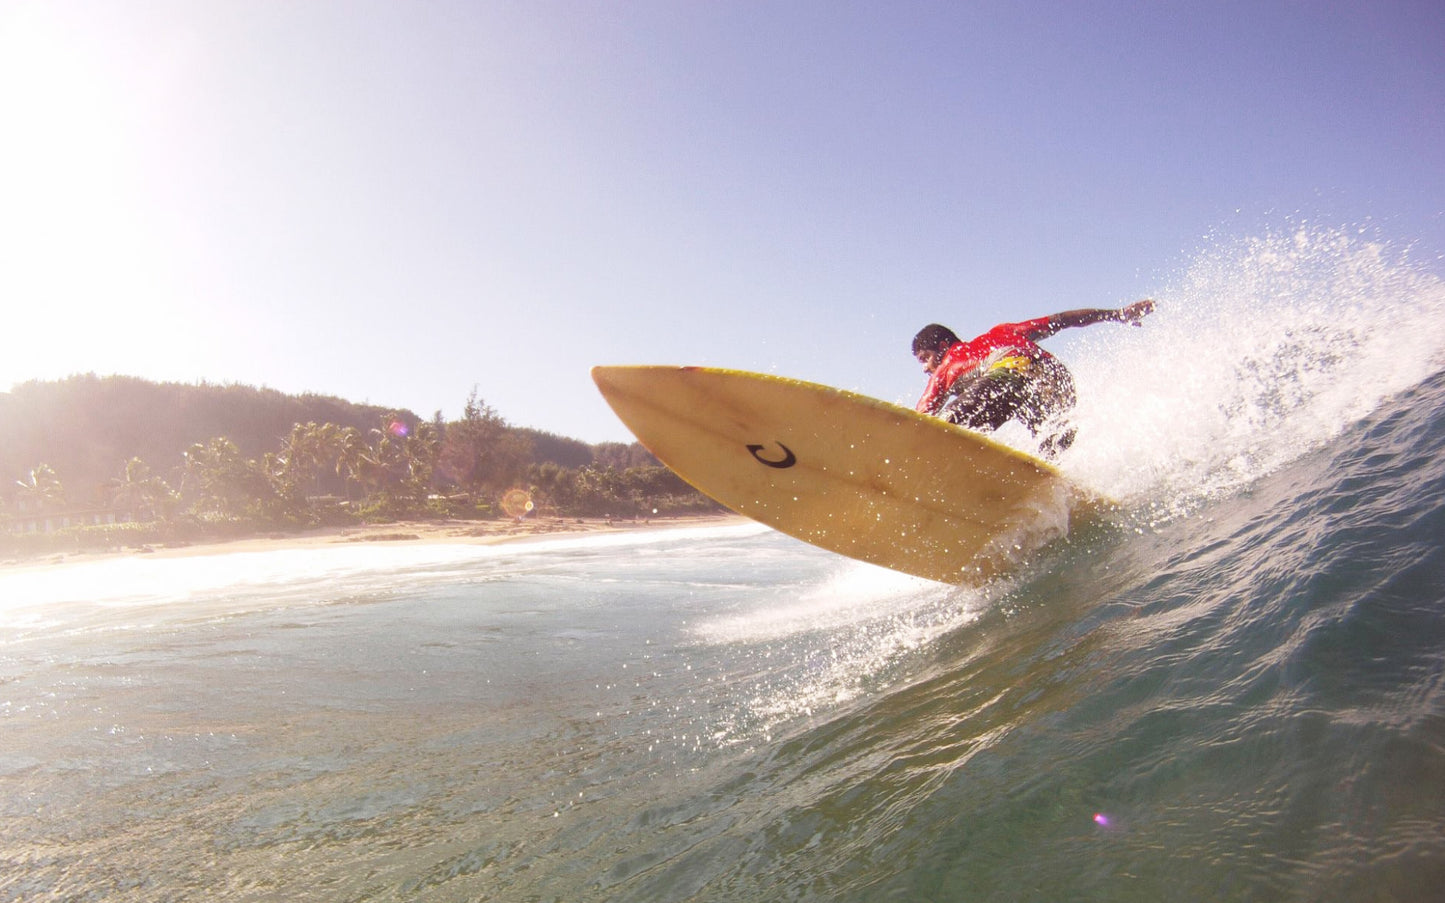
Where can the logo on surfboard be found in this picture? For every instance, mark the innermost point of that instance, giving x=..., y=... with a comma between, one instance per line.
x=787, y=460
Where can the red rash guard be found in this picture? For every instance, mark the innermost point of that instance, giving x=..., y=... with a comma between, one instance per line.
x=993, y=347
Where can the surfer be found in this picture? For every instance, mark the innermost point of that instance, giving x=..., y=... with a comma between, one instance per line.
x=1004, y=375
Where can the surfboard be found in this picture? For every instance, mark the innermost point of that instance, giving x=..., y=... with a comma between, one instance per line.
x=855, y=475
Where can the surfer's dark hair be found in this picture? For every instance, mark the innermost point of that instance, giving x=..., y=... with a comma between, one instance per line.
x=933, y=337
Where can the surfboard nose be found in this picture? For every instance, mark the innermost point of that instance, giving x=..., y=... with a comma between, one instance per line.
x=624, y=379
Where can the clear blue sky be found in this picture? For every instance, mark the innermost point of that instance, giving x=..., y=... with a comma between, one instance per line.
x=395, y=201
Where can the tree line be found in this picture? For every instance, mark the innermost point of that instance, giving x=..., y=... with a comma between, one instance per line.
x=330, y=473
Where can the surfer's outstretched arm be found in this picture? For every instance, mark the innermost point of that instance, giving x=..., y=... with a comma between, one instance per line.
x=1088, y=316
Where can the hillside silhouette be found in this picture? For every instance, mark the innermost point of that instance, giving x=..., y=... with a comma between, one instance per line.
x=202, y=456
x=86, y=427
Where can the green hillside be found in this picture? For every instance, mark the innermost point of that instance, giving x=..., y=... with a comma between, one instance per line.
x=202, y=457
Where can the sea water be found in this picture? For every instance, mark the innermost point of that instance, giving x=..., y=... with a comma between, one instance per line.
x=1233, y=690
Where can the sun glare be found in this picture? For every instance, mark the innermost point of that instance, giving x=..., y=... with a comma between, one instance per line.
x=76, y=259
x=59, y=159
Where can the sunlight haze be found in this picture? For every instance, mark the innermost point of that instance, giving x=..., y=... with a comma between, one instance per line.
x=395, y=202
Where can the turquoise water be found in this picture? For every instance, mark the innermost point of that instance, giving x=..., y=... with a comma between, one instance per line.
x=1235, y=690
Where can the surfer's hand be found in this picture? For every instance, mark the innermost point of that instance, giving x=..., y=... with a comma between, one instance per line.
x=1136, y=311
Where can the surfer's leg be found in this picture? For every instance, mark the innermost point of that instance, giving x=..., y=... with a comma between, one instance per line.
x=1050, y=392
x=1058, y=440
x=1050, y=397
x=985, y=402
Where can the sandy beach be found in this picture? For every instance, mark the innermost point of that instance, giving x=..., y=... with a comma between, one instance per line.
x=403, y=532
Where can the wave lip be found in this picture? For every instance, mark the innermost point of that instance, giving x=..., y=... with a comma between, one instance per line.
x=1261, y=351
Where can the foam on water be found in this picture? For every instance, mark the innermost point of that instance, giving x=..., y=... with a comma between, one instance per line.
x=1260, y=351
x=852, y=592
x=154, y=588
x=825, y=642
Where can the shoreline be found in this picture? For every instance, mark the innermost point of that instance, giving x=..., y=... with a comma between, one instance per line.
x=452, y=532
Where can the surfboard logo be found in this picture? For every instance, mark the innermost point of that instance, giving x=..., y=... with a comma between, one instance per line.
x=787, y=460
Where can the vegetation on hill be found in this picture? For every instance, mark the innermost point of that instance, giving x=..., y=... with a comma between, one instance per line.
x=171, y=462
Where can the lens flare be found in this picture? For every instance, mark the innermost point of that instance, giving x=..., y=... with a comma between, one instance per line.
x=517, y=503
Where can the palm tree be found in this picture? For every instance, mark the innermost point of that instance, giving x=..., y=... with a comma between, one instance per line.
x=419, y=450
x=327, y=443
x=350, y=451
x=42, y=489
x=228, y=485
x=297, y=455
x=306, y=451
x=369, y=463
x=139, y=493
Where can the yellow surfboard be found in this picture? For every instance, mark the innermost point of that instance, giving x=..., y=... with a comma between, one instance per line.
x=851, y=474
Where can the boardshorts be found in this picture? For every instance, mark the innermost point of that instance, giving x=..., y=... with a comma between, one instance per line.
x=1034, y=391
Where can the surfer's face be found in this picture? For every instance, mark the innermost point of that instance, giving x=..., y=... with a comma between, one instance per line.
x=929, y=359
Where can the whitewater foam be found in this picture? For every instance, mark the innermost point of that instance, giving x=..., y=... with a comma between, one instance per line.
x=229, y=582
x=852, y=592
x=1261, y=351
